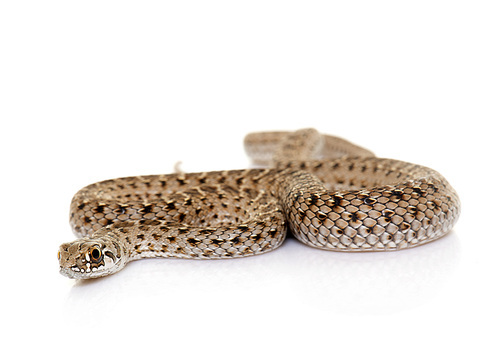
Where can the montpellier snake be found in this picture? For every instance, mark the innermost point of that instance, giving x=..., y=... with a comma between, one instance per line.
x=329, y=193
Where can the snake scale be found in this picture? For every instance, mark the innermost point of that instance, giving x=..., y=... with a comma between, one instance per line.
x=330, y=193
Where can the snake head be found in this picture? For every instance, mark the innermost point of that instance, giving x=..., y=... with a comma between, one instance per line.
x=91, y=258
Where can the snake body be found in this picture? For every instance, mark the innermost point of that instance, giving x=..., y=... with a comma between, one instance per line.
x=330, y=193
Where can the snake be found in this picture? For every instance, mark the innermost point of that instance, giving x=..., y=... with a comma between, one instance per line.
x=328, y=192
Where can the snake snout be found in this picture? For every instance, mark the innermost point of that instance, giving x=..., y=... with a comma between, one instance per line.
x=63, y=255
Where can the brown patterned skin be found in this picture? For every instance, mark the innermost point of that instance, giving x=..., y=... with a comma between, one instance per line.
x=360, y=203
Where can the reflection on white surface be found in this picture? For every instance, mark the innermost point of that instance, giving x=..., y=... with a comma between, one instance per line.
x=376, y=282
x=349, y=283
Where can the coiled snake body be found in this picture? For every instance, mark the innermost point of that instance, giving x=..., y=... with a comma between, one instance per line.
x=330, y=193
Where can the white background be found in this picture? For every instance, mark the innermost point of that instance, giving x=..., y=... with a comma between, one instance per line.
x=91, y=90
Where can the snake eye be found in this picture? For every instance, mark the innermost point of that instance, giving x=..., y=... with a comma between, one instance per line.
x=95, y=254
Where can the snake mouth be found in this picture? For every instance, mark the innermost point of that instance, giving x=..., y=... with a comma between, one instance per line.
x=69, y=273
x=76, y=273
